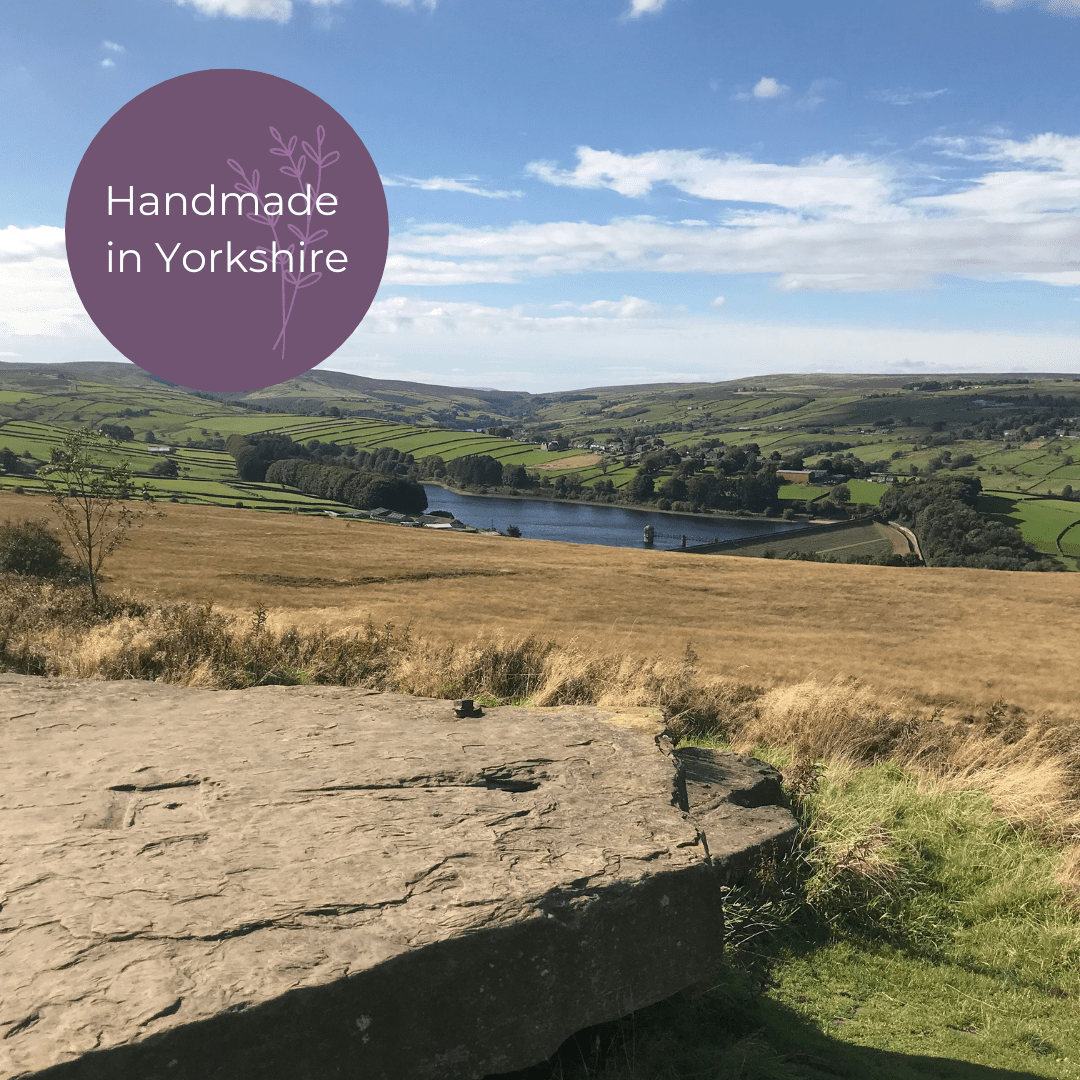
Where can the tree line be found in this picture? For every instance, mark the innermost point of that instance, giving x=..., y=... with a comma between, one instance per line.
x=354, y=487
x=942, y=513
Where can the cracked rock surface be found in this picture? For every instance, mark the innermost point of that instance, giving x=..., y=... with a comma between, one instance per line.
x=312, y=882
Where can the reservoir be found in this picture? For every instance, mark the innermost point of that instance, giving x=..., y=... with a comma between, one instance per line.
x=593, y=523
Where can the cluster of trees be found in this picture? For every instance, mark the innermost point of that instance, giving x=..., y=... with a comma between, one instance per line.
x=477, y=470
x=12, y=464
x=254, y=454
x=120, y=432
x=355, y=487
x=850, y=465
x=1029, y=424
x=952, y=532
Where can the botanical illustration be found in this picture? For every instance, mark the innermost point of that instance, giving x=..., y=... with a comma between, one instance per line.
x=292, y=280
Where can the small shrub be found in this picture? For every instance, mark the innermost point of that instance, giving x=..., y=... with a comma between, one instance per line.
x=31, y=548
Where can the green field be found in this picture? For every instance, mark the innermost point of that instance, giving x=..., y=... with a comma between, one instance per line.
x=862, y=491
x=856, y=538
x=1051, y=526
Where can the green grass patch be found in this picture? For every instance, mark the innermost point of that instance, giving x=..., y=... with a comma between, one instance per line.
x=841, y=542
x=1040, y=521
x=911, y=934
x=802, y=491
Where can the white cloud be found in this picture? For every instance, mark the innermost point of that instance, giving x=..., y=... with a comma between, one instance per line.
x=113, y=47
x=768, y=88
x=279, y=10
x=815, y=94
x=399, y=314
x=837, y=180
x=429, y=4
x=629, y=307
x=37, y=296
x=906, y=96
x=19, y=245
x=108, y=63
x=763, y=90
x=1055, y=7
x=720, y=301
x=643, y=7
x=840, y=224
x=468, y=185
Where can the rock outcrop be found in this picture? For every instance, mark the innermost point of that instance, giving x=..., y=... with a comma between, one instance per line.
x=314, y=882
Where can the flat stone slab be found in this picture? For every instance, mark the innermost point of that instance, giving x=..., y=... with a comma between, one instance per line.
x=313, y=882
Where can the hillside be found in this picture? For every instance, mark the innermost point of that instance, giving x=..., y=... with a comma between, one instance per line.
x=1017, y=434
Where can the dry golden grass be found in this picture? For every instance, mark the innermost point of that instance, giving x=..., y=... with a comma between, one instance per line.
x=579, y=461
x=955, y=638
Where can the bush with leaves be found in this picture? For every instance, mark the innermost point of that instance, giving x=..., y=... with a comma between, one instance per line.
x=31, y=548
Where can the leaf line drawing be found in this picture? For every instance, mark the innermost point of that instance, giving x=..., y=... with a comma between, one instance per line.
x=312, y=155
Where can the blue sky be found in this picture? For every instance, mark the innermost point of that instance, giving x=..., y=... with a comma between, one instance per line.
x=594, y=192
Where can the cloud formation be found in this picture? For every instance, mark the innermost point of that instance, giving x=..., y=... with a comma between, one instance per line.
x=1055, y=7
x=838, y=224
x=467, y=185
x=906, y=96
x=839, y=180
x=644, y=7
x=768, y=88
x=37, y=295
x=765, y=89
x=113, y=47
x=279, y=10
x=629, y=307
x=815, y=94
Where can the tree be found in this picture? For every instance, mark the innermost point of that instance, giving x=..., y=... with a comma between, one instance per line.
x=165, y=467
x=641, y=488
x=89, y=497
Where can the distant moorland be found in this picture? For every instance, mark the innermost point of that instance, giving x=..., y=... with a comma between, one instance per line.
x=687, y=447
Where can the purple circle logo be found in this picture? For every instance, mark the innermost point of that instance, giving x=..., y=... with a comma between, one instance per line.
x=227, y=230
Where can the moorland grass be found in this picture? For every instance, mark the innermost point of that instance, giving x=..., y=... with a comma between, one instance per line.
x=955, y=638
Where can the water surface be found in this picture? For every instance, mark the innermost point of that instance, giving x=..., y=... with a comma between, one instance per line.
x=592, y=523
